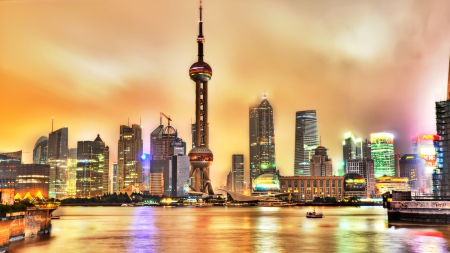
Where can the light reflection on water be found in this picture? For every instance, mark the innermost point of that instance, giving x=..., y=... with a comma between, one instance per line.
x=231, y=229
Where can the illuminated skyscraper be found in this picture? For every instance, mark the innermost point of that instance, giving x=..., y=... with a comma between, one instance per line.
x=129, y=157
x=262, y=140
x=92, y=168
x=441, y=175
x=72, y=164
x=58, y=153
x=363, y=167
x=9, y=162
x=40, y=150
x=412, y=166
x=306, y=140
x=115, y=167
x=423, y=145
x=160, y=140
x=201, y=157
x=382, y=145
x=237, y=162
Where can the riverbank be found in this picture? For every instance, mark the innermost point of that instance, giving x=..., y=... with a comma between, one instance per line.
x=340, y=204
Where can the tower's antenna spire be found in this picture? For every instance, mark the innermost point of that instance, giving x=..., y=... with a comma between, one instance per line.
x=200, y=38
x=448, y=82
x=52, y=124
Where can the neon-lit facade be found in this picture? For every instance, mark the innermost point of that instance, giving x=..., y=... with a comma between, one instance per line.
x=268, y=182
x=307, y=188
x=262, y=140
x=389, y=184
x=130, y=146
x=382, y=149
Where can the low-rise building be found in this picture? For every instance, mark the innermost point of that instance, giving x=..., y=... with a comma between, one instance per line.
x=307, y=188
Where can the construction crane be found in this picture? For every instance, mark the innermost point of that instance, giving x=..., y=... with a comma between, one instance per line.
x=167, y=117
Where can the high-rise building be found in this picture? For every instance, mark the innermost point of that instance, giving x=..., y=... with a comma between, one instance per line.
x=352, y=147
x=306, y=140
x=145, y=172
x=423, y=145
x=201, y=157
x=320, y=164
x=230, y=181
x=40, y=150
x=412, y=166
x=382, y=146
x=115, y=167
x=72, y=163
x=262, y=140
x=58, y=152
x=92, y=168
x=129, y=157
x=176, y=171
x=9, y=163
x=441, y=175
x=160, y=140
x=237, y=162
x=363, y=167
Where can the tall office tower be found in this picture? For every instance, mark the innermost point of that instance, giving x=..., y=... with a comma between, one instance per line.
x=423, y=145
x=363, y=167
x=230, y=181
x=367, y=149
x=352, y=147
x=306, y=140
x=40, y=150
x=115, y=168
x=9, y=163
x=72, y=163
x=145, y=172
x=176, y=171
x=92, y=171
x=262, y=140
x=58, y=152
x=320, y=164
x=397, y=158
x=382, y=146
x=160, y=140
x=441, y=175
x=412, y=166
x=237, y=162
x=201, y=157
x=129, y=157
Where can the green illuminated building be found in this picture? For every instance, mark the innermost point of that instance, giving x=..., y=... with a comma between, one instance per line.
x=382, y=145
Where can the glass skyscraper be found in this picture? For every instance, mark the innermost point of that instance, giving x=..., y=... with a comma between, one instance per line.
x=306, y=141
x=58, y=153
x=382, y=145
x=40, y=150
x=238, y=173
x=130, y=147
x=262, y=140
x=92, y=168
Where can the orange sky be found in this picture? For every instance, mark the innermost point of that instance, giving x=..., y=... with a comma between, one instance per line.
x=365, y=66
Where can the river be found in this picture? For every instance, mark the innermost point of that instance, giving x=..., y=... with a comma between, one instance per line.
x=231, y=229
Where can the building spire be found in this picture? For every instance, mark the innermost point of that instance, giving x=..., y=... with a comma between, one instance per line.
x=200, y=38
x=448, y=82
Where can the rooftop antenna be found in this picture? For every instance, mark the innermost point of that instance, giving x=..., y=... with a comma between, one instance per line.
x=128, y=121
x=140, y=121
x=52, y=124
x=160, y=118
x=320, y=140
x=448, y=82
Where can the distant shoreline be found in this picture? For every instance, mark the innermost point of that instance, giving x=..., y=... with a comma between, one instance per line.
x=298, y=204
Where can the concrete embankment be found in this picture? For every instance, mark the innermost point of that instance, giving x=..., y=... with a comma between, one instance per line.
x=419, y=212
x=17, y=226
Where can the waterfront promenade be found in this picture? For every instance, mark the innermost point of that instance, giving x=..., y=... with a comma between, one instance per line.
x=231, y=229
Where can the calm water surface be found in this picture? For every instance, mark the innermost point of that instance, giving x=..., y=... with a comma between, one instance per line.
x=231, y=229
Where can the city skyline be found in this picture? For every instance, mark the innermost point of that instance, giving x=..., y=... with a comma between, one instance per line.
x=72, y=61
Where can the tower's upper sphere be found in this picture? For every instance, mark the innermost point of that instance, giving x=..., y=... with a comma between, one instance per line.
x=200, y=71
x=200, y=157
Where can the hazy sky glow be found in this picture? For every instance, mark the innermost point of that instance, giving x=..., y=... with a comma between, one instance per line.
x=365, y=66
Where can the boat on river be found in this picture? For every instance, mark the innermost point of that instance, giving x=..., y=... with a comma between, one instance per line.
x=314, y=214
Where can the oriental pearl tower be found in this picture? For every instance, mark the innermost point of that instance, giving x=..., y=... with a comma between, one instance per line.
x=201, y=157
